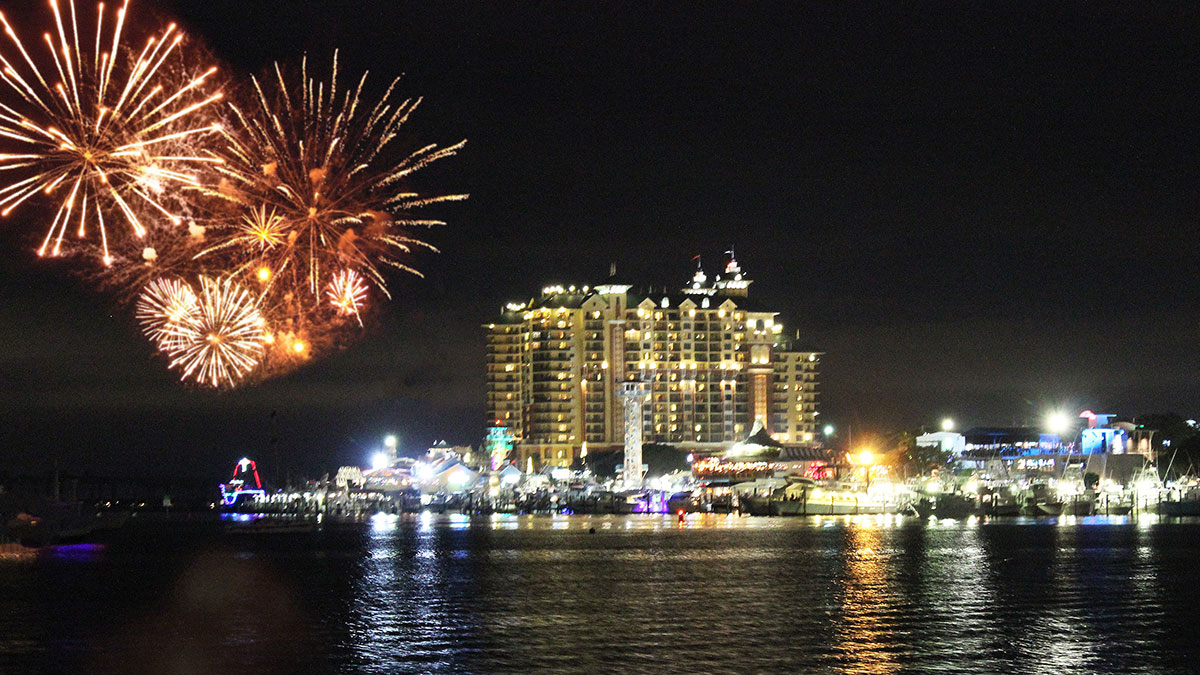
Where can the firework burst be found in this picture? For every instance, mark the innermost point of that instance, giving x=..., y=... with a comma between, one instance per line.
x=214, y=342
x=99, y=125
x=164, y=306
x=307, y=163
x=347, y=293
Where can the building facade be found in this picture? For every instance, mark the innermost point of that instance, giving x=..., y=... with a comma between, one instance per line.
x=712, y=361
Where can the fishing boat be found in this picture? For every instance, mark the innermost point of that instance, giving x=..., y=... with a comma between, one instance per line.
x=998, y=503
x=1040, y=501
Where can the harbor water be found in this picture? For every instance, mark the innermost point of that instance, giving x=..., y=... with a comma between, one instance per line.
x=642, y=593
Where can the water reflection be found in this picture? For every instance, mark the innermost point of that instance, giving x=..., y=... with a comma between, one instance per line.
x=717, y=593
x=405, y=611
x=867, y=609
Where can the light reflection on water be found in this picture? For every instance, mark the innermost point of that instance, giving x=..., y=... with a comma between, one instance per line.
x=715, y=593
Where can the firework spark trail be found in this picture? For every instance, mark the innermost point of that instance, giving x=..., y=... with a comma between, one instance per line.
x=222, y=340
x=316, y=166
x=105, y=133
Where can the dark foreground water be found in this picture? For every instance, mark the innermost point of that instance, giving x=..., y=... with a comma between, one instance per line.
x=642, y=594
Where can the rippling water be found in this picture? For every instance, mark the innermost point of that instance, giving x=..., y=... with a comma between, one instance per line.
x=869, y=594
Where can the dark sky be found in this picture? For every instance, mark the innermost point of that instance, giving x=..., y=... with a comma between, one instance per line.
x=982, y=210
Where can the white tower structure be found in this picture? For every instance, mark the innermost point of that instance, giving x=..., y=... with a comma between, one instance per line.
x=633, y=396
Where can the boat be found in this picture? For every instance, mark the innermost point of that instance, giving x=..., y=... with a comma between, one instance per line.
x=756, y=506
x=955, y=505
x=62, y=523
x=922, y=508
x=1040, y=501
x=1182, y=507
x=1005, y=509
x=830, y=504
x=624, y=503
x=272, y=526
x=998, y=503
x=1080, y=506
x=16, y=550
x=1050, y=508
x=682, y=501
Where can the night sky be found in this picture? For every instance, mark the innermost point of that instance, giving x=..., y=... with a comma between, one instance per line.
x=981, y=210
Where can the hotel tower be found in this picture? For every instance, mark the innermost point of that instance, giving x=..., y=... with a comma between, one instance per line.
x=712, y=364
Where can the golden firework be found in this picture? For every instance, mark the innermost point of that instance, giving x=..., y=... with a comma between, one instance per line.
x=163, y=306
x=98, y=124
x=308, y=162
x=220, y=342
x=347, y=293
x=262, y=230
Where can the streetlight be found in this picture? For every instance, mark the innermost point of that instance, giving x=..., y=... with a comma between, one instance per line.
x=1057, y=422
x=828, y=430
x=866, y=458
x=947, y=424
x=379, y=461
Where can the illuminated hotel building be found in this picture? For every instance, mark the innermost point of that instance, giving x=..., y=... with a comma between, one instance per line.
x=712, y=361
